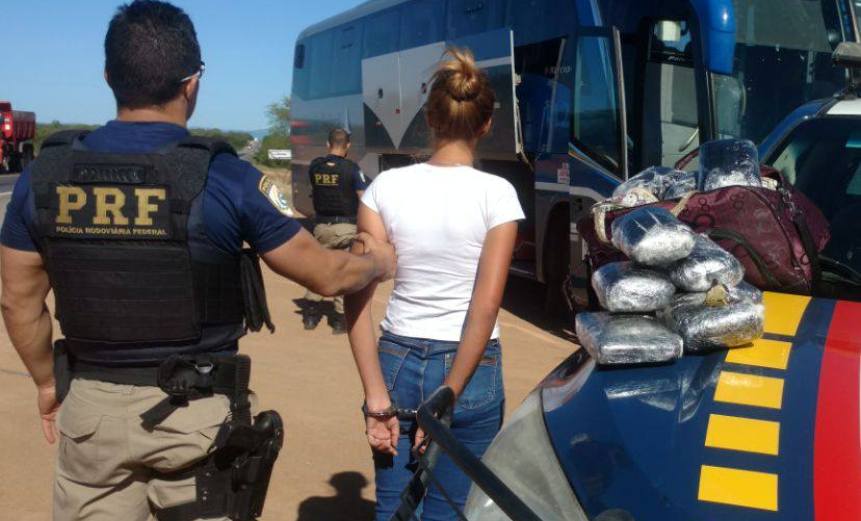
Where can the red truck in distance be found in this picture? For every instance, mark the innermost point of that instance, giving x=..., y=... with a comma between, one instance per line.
x=17, y=130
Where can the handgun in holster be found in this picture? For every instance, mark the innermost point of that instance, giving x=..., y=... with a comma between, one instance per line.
x=232, y=481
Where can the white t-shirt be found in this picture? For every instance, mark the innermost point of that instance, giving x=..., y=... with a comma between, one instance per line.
x=437, y=219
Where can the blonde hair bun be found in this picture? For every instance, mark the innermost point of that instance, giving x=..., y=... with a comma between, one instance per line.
x=461, y=100
x=461, y=75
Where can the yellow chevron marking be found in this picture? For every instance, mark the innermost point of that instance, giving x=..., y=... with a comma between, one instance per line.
x=773, y=354
x=743, y=434
x=783, y=312
x=749, y=389
x=742, y=488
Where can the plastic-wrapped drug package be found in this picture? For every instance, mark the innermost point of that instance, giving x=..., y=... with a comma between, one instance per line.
x=655, y=183
x=706, y=265
x=745, y=291
x=622, y=287
x=655, y=179
x=626, y=339
x=729, y=162
x=705, y=327
x=652, y=236
x=682, y=183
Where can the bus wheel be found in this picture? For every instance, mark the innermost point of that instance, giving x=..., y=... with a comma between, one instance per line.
x=556, y=268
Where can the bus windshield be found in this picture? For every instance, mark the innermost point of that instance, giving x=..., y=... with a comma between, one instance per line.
x=782, y=60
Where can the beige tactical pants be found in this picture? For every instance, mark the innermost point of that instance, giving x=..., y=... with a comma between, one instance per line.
x=107, y=464
x=338, y=236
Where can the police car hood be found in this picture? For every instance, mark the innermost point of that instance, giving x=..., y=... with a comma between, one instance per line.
x=754, y=433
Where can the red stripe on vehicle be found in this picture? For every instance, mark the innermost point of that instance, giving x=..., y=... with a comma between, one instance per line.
x=837, y=452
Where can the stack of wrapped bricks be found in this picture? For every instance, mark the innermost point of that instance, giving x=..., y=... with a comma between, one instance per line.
x=679, y=292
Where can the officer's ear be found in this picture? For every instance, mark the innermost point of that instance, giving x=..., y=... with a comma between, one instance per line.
x=189, y=91
x=190, y=88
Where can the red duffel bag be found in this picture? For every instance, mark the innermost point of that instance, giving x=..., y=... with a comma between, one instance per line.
x=776, y=234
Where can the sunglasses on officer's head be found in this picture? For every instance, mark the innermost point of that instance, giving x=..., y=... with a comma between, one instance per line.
x=198, y=73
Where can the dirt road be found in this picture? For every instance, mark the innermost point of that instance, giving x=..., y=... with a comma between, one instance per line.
x=310, y=378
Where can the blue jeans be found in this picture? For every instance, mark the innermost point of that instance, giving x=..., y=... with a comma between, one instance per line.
x=414, y=368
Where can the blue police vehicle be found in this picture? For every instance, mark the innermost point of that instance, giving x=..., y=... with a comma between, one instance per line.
x=588, y=90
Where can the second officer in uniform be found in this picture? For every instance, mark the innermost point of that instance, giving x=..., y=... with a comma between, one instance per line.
x=337, y=185
x=138, y=229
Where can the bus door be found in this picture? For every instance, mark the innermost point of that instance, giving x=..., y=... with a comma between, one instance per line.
x=395, y=88
x=598, y=144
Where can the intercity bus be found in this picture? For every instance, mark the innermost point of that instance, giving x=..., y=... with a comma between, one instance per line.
x=589, y=92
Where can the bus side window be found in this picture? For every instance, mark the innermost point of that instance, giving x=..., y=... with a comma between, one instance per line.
x=382, y=33
x=466, y=17
x=299, y=58
x=347, y=74
x=301, y=71
x=595, y=114
x=321, y=65
x=422, y=23
x=533, y=20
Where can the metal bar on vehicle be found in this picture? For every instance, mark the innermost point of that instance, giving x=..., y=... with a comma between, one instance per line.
x=431, y=417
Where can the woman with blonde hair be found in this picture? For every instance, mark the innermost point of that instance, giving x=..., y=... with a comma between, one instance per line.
x=453, y=228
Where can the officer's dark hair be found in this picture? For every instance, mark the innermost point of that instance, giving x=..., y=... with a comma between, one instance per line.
x=338, y=138
x=149, y=48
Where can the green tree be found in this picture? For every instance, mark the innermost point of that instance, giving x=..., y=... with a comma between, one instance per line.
x=278, y=114
x=278, y=138
x=237, y=139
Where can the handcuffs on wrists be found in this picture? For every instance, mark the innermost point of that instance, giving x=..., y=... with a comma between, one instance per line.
x=388, y=413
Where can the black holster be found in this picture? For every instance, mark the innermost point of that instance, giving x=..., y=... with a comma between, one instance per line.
x=234, y=479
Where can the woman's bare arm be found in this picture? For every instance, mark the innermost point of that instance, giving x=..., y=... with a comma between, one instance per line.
x=484, y=306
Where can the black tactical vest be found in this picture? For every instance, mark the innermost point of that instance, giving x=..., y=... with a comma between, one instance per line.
x=332, y=187
x=113, y=230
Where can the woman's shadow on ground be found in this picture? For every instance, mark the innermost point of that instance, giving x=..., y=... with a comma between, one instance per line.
x=346, y=505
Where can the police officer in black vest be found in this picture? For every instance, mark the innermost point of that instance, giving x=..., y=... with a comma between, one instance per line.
x=337, y=185
x=138, y=229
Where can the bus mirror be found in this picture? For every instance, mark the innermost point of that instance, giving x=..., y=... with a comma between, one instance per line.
x=848, y=54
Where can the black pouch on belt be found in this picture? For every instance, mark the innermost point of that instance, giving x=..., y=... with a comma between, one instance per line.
x=254, y=292
x=62, y=370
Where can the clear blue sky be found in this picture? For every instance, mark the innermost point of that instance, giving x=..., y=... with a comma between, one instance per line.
x=53, y=59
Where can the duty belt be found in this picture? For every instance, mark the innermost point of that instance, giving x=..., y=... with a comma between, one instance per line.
x=232, y=480
x=182, y=378
x=334, y=219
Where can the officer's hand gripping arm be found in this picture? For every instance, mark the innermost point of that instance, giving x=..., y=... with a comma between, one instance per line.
x=28, y=321
x=330, y=272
